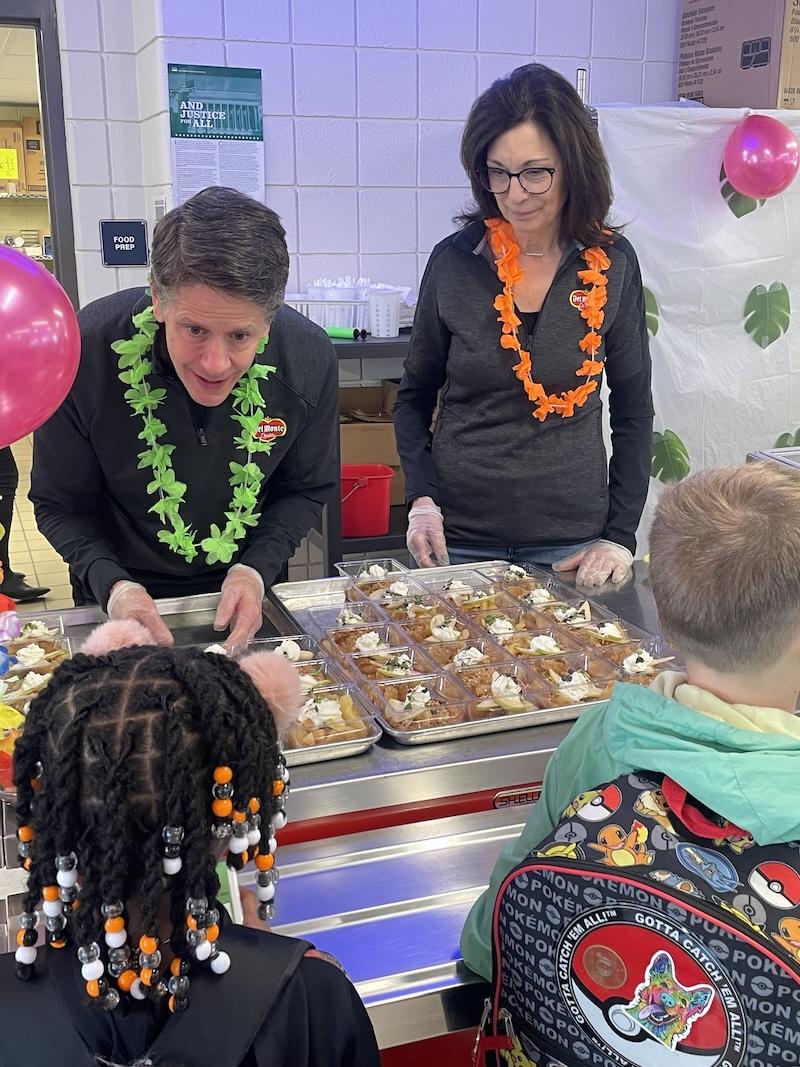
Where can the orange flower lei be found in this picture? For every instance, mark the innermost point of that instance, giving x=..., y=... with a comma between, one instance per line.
x=506, y=252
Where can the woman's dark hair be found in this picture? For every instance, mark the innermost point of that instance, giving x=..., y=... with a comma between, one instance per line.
x=535, y=93
x=226, y=240
x=128, y=743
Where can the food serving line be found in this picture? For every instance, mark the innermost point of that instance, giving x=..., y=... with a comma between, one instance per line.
x=390, y=843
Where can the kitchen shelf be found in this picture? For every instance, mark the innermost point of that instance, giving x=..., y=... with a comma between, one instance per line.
x=337, y=547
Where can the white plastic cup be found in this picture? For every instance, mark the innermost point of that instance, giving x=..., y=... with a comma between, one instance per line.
x=384, y=312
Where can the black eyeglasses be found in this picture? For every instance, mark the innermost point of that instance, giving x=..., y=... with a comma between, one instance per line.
x=532, y=179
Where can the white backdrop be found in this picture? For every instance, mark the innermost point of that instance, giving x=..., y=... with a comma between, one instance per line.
x=713, y=385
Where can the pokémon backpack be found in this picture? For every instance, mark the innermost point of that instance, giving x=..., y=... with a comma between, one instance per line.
x=646, y=932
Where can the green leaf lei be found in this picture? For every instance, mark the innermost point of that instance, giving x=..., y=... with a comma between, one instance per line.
x=246, y=478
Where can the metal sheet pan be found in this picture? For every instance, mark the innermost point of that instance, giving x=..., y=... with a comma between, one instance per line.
x=539, y=717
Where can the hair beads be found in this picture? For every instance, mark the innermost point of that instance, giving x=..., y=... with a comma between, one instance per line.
x=145, y=841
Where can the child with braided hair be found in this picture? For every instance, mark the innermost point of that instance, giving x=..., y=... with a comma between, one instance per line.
x=139, y=767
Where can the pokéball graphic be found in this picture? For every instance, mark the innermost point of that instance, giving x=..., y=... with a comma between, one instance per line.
x=598, y=804
x=777, y=884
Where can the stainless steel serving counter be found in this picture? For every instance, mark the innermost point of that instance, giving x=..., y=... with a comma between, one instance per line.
x=390, y=899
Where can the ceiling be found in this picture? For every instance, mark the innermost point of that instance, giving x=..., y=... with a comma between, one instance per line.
x=19, y=80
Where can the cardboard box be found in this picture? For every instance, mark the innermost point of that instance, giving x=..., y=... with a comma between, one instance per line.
x=12, y=158
x=740, y=53
x=366, y=431
x=35, y=174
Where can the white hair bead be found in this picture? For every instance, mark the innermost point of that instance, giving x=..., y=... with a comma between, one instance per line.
x=52, y=907
x=254, y=837
x=272, y=844
x=93, y=970
x=136, y=989
x=67, y=879
x=116, y=938
x=237, y=844
x=265, y=893
x=221, y=963
x=203, y=950
x=172, y=864
x=25, y=954
x=279, y=820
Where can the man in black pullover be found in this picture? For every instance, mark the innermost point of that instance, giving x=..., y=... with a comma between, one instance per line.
x=197, y=446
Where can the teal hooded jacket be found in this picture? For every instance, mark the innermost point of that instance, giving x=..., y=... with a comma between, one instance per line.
x=749, y=776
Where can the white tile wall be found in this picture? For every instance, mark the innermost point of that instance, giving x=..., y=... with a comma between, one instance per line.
x=364, y=102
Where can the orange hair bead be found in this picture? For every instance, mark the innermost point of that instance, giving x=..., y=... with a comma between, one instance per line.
x=148, y=944
x=93, y=987
x=50, y=892
x=222, y=807
x=191, y=922
x=222, y=775
x=36, y=784
x=254, y=804
x=146, y=975
x=278, y=787
x=171, y=1002
x=25, y=834
x=265, y=862
x=57, y=944
x=27, y=863
x=114, y=924
x=239, y=816
x=175, y=967
x=244, y=856
x=212, y=933
x=126, y=980
x=20, y=936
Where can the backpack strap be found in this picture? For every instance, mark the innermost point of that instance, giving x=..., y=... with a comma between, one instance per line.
x=225, y=1014
x=692, y=818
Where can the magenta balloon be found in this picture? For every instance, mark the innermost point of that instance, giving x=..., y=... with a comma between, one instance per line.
x=40, y=345
x=761, y=157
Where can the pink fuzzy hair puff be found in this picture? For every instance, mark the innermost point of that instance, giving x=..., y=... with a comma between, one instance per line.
x=278, y=681
x=117, y=633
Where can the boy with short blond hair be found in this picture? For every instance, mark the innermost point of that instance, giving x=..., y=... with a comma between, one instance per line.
x=725, y=572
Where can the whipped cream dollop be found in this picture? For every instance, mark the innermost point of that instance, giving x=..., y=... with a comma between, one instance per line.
x=500, y=626
x=30, y=655
x=514, y=572
x=36, y=628
x=308, y=683
x=290, y=649
x=639, y=662
x=544, y=645
x=219, y=650
x=537, y=597
x=458, y=589
x=370, y=642
x=348, y=617
x=572, y=615
x=417, y=699
x=321, y=711
x=445, y=629
x=504, y=687
x=469, y=657
x=579, y=686
x=31, y=681
x=372, y=570
x=400, y=664
x=397, y=589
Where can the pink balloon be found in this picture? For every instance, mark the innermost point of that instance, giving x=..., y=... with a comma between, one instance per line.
x=761, y=157
x=40, y=345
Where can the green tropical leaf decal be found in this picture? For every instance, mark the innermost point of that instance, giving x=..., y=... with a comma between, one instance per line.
x=788, y=440
x=739, y=204
x=767, y=313
x=669, y=459
x=650, y=311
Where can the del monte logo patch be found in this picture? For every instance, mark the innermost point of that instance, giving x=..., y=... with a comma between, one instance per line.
x=270, y=429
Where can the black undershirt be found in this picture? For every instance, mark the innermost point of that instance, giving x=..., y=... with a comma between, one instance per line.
x=528, y=321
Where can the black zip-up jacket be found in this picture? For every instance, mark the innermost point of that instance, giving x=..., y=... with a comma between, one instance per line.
x=499, y=475
x=91, y=501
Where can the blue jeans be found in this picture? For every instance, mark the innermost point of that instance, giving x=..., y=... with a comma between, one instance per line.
x=539, y=555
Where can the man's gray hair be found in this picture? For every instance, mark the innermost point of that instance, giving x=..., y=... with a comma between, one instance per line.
x=226, y=240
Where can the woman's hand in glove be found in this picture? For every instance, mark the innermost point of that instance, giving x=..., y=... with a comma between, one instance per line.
x=425, y=534
x=597, y=563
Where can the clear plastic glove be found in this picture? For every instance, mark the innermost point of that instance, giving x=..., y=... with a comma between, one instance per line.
x=425, y=534
x=241, y=603
x=129, y=600
x=597, y=563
